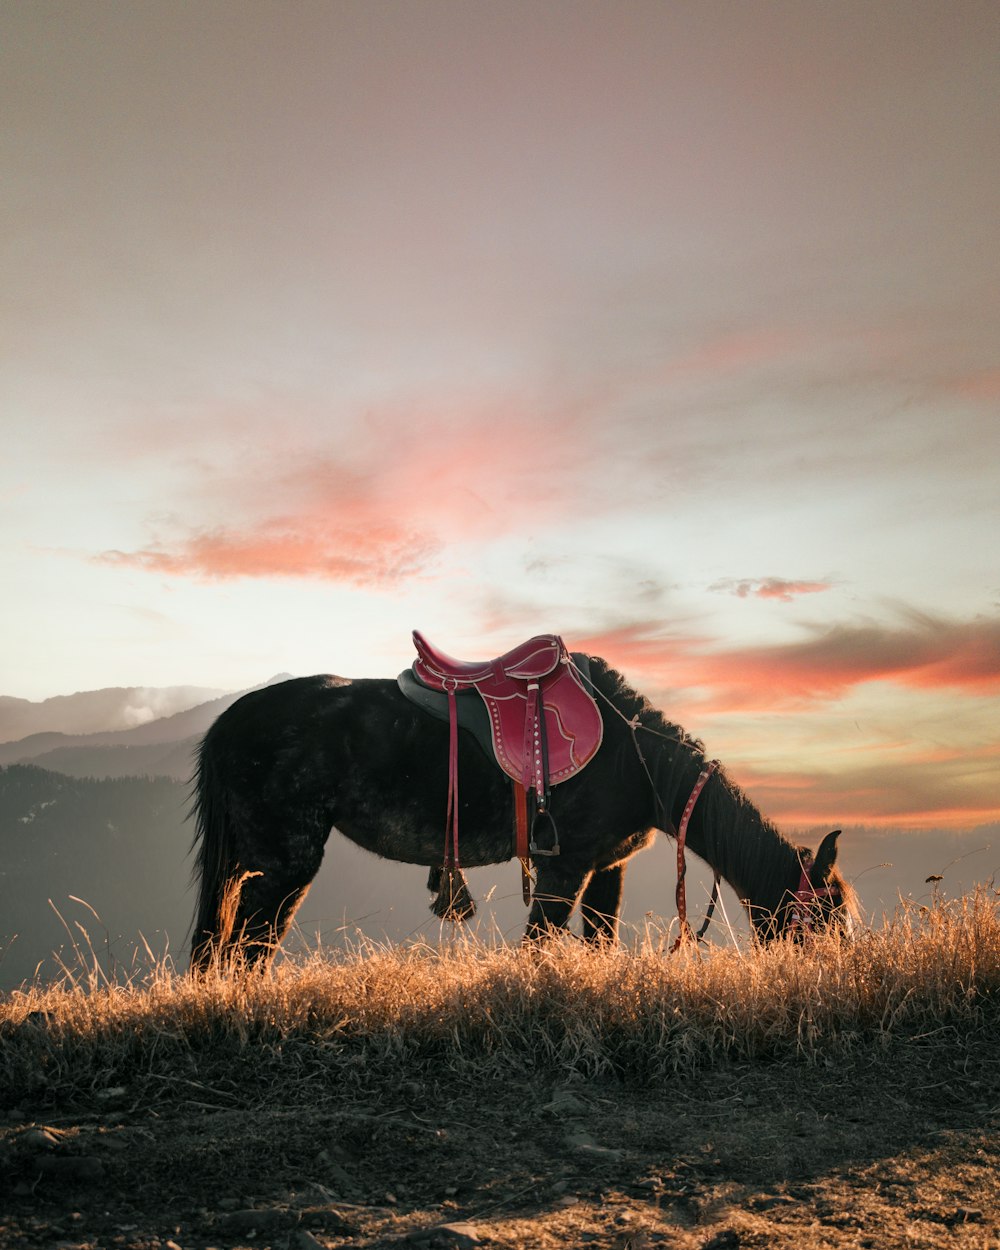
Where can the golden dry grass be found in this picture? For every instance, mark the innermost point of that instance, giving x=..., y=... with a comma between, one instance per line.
x=636, y=1014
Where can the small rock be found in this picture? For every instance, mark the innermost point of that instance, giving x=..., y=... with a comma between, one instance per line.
x=968, y=1215
x=727, y=1239
x=567, y=1200
x=328, y=1220
x=303, y=1240
x=71, y=1167
x=39, y=1138
x=460, y=1234
x=583, y=1143
x=565, y=1103
x=112, y=1093
x=767, y=1202
x=266, y=1220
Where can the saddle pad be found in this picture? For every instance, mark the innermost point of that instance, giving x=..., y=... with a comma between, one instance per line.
x=472, y=713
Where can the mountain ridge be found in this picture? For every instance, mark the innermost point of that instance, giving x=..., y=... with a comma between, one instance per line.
x=175, y=728
x=104, y=709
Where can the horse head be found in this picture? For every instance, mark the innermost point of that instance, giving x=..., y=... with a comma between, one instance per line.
x=822, y=900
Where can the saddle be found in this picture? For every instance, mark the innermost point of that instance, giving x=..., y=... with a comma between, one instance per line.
x=545, y=726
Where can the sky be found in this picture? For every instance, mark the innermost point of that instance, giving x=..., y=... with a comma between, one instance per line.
x=673, y=328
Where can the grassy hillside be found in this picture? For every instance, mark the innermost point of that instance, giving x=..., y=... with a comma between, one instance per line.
x=839, y=1095
x=632, y=1015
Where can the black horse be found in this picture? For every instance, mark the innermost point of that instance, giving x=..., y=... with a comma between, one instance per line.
x=286, y=764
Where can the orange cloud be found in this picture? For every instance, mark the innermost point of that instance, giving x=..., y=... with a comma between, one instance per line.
x=929, y=790
x=380, y=518
x=740, y=350
x=929, y=653
x=985, y=385
x=368, y=557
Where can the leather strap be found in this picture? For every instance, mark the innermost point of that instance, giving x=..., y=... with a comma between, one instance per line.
x=684, y=933
x=451, y=820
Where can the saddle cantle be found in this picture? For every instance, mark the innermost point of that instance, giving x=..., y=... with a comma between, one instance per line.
x=544, y=725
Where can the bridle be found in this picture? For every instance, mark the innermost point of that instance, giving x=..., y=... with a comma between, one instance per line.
x=802, y=908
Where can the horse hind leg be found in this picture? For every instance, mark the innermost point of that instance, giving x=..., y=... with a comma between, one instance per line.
x=601, y=904
x=258, y=912
x=247, y=909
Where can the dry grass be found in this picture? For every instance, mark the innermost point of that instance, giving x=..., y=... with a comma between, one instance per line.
x=478, y=1011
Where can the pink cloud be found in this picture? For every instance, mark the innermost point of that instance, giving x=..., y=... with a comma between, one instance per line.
x=769, y=588
x=929, y=653
x=363, y=557
x=381, y=518
x=984, y=385
x=729, y=353
x=935, y=789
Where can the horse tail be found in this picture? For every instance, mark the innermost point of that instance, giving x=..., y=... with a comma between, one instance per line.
x=215, y=862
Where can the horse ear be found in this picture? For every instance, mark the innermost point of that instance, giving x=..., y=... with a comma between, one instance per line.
x=826, y=857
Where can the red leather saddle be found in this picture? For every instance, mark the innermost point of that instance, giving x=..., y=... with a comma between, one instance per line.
x=545, y=724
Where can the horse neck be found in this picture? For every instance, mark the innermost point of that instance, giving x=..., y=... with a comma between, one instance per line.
x=739, y=843
x=726, y=830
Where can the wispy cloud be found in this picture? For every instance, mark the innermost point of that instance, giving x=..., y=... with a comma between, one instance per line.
x=372, y=556
x=377, y=518
x=984, y=385
x=926, y=652
x=931, y=788
x=768, y=588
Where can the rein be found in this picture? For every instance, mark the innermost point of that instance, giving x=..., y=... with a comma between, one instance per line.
x=685, y=933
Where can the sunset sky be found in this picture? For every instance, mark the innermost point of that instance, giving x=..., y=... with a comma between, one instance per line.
x=671, y=327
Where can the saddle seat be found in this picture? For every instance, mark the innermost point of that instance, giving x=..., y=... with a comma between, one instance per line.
x=535, y=658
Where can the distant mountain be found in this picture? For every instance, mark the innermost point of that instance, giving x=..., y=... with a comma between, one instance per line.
x=96, y=711
x=120, y=846
x=125, y=752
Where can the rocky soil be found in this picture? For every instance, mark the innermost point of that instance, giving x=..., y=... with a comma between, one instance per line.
x=898, y=1148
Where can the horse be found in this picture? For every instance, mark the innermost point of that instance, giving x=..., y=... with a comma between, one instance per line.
x=286, y=764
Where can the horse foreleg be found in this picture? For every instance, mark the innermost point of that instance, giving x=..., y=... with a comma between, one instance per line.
x=601, y=904
x=557, y=889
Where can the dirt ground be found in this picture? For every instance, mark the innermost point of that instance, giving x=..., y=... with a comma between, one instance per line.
x=900, y=1148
